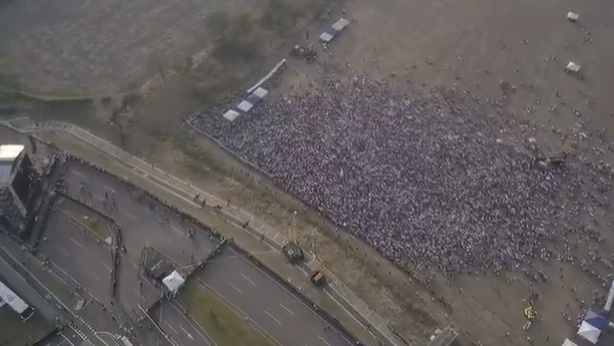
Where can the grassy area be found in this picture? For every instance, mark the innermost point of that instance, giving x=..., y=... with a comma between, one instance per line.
x=88, y=218
x=15, y=332
x=224, y=325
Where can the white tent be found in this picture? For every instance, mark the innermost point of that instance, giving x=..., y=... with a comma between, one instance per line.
x=173, y=282
x=589, y=332
x=231, y=115
x=568, y=342
x=245, y=106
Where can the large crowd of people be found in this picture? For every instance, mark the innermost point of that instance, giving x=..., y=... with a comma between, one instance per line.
x=420, y=178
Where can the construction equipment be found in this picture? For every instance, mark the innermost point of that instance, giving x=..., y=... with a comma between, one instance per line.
x=293, y=251
x=307, y=54
x=317, y=277
x=291, y=248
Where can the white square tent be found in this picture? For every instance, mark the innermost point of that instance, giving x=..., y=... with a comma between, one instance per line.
x=592, y=326
x=260, y=93
x=568, y=342
x=231, y=115
x=589, y=332
x=252, y=99
x=245, y=106
x=334, y=30
x=173, y=282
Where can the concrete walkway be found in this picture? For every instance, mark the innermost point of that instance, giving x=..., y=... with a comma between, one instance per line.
x=187, y=191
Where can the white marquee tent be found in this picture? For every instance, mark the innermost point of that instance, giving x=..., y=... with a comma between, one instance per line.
x=173, y=282
x=589, y=332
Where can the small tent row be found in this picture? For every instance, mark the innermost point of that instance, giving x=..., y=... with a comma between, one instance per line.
x=247, y=104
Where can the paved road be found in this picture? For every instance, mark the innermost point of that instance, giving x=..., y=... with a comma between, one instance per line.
x=144, y=222
x=76, y=256
x=267, y=304
x=75, y=330
x=180, y=329
x=269, y=307
x=13, y=278
x=64, y=338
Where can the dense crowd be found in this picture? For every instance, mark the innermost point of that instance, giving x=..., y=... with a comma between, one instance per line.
x=420, y=178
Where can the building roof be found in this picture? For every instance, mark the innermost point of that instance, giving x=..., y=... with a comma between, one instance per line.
x=12, y=299
x=10, y=152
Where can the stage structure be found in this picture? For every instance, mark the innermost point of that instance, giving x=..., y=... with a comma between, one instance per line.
x=19, y=183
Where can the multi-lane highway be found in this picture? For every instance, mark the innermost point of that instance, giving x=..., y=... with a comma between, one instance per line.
x=84, y=263
x=266, y=303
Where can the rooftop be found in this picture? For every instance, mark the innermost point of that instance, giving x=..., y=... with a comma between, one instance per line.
x=9, y=152
x=8, y=155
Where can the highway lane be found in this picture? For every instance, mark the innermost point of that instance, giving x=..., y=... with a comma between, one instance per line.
x=267, y=304
x=76, y=256
x=182, y=331
x=142, y=219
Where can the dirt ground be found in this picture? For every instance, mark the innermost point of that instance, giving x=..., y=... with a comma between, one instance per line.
x=511, y=55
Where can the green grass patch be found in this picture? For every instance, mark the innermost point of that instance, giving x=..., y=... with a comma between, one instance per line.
x=15, y=332
x=88, y=218
x=224, y=325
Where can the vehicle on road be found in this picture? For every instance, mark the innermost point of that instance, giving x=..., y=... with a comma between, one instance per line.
x=318, y=278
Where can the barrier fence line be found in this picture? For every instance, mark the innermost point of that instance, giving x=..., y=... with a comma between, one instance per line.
x=147, y=170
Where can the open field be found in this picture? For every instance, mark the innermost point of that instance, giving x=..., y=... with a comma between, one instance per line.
x=15, y=332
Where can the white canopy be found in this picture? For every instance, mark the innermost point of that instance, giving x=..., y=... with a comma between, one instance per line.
x=245, y=106
x=589, y=332
x=231, y=115
x=173, y=282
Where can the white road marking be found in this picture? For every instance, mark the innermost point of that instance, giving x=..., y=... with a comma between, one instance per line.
x=136, y=291
x=63, y=251
x=238, y=311
x=66, y=339
x=76, y=242
x=235, y=287
x=79, y=174
x=285, y=308
x=106, y=266
x=131, y=216
x=63, y=271
x=145, y=209
x=171, y=327
x=186, y=332
x=272, y=317
x=108, y=188
x=326, y=342
x=176, y=229
x=298, y=300
x=248, y=279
